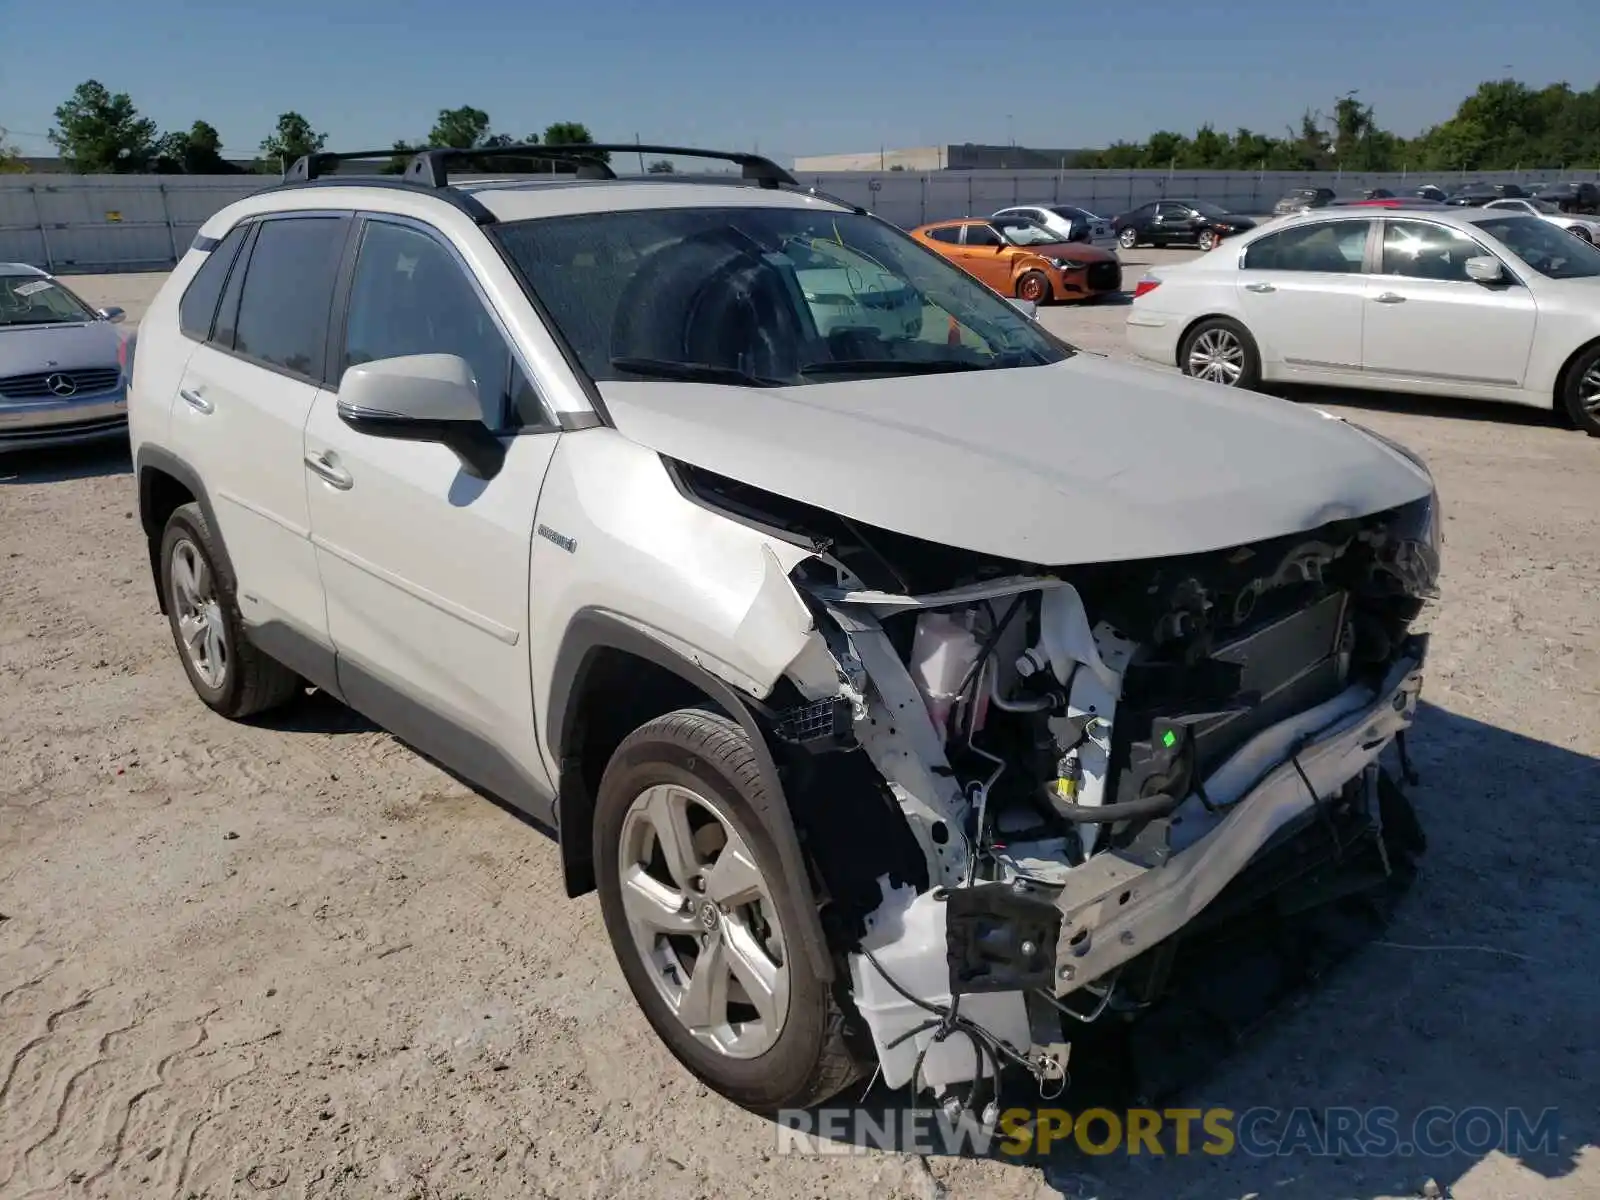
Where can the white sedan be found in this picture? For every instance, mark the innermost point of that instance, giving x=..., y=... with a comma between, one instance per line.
x=1588, y=228
x=1470, y=302
x=1074, y=224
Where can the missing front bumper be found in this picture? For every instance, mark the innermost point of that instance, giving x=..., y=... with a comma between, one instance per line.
x=1121, y=904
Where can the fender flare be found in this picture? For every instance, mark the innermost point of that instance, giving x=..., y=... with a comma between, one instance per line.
x=593, y=630
x=154, y=458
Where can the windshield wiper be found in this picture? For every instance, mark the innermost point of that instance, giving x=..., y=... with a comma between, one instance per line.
x=666, y=368
x=889, y=366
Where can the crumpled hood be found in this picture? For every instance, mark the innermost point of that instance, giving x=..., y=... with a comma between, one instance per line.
x=28, y=348
x=1081, y=461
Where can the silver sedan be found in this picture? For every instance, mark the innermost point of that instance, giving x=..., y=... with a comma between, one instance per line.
x=64, y=365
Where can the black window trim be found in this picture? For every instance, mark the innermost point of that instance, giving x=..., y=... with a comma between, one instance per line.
x=1369, y=263
x=242, y=261
x=365, y=218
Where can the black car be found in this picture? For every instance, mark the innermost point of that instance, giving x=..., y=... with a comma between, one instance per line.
x=1429, y=192
x=1178, y=222
x=1475, y=195
x=1571, y=196
x=1303, y=198
x=1377, y=194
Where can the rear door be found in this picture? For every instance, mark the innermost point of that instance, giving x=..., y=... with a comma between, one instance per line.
x=241, y=413
x=1303, y=293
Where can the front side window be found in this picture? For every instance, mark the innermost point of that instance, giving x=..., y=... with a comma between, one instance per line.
x=288, y=291
x=762, y=296
x=1548, y=249
x=983, y=235
x=198, y=307
x=1331, y=247
x=1417, y=250
x=410, y=295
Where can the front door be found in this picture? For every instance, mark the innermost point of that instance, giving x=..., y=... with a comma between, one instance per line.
x=1428, y=323
x=984, y=253
x=241, y=413
x=426, y=568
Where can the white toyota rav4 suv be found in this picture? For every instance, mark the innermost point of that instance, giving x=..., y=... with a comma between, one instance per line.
x=913, y=691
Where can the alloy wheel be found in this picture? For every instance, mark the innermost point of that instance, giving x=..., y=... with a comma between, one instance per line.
x=199, y=612
x=703, y=920
x=1589, y=391
x=1217, y=355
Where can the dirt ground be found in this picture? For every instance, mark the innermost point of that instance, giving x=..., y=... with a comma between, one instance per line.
x=294, y=959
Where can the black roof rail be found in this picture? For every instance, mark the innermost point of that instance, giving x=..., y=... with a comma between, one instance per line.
x=431, y=167
x=310, y=166
x=464, y=201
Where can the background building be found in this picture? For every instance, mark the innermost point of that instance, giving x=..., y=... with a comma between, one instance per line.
x=968, y=156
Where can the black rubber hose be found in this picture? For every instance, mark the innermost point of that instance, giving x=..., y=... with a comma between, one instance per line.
x=1158, y=804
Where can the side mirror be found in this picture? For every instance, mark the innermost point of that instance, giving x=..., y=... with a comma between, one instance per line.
x=1028, y=308
x=1485, y=268
x=422, y=398
x=112, y=314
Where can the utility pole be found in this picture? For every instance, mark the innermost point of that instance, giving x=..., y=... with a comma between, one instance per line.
x=636, y=142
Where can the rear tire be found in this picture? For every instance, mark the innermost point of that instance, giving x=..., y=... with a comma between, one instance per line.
x=1035, y=286
x=1580, y=392
x=1578, y=231
x=225, y=669
x=1220, y=350
x=694, y=773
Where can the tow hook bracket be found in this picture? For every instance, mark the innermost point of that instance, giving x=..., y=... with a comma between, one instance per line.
x=1001, y=938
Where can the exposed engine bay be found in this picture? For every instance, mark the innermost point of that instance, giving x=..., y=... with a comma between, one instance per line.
x=1090, y=766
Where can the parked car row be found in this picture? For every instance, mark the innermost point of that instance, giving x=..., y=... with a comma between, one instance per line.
x=1496, y=303
x=1564, y=197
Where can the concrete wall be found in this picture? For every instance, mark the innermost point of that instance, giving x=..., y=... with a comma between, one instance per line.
x=142, y=222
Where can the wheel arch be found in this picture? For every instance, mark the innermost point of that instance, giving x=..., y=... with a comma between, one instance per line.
x=1183, y=336
x=609, y=678
x=166, y=483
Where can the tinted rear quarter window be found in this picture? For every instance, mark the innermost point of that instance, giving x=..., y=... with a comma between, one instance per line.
x=198, y=306
x=949, y=233
x=287, y=292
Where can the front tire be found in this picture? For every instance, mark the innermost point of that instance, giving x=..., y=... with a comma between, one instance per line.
x=1035, y=286
x=703, y=921
x=228, y=673
x=1220, y=350
x=1207, y=240
x=1128, y=238
x=1580, y=392
x=1578, y=231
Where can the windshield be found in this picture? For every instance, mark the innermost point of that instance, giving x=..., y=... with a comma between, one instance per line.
x=31, y=300
x=1544, y=206
x=1071, y=213
x=1207, y=209
x=1548, y=249
x=763, y=297
x=1028, y=234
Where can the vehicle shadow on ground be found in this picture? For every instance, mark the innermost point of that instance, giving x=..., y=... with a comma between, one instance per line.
x=1474, y=1008
x=1423, y=406
x=64, y=463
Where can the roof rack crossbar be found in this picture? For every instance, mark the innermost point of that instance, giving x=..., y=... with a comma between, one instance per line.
x=311, y=166
x=432, y=166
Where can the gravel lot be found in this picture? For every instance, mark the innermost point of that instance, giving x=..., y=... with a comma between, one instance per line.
x=294, y=959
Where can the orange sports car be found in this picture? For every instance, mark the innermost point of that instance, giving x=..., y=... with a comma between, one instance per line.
x=1017, y=256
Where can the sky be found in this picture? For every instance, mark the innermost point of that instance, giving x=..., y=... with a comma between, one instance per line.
x=787, y=79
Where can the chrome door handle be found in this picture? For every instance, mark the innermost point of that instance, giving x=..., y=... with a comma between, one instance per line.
x=1259, y=287
x=1389, y=298
x=196, y=401
x=334, y=474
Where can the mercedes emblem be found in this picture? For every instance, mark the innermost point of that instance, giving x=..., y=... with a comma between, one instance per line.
x=62, y=385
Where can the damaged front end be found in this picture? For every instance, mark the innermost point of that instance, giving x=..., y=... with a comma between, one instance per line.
x=1029, y=789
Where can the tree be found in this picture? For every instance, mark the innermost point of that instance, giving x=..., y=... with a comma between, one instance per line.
x=98, y=132
x=197, y=152
x=572, y=133
x=662, y=166
x=10, y=161
x=466, y=127
x=292, y=138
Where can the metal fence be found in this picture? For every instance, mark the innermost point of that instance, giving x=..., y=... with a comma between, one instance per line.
x=142, y=222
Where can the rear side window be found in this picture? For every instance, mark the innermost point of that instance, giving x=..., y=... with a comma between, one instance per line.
x=287, y=292
x=199, y=304
x=946, y=233
x=1329, y=247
